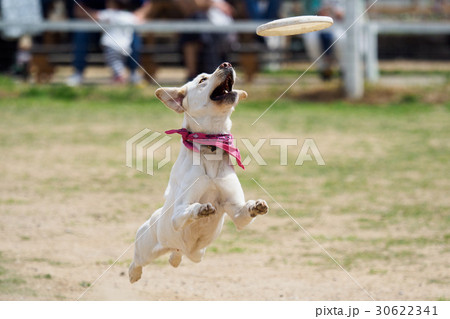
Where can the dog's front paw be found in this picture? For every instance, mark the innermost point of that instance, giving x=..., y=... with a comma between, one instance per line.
x=260, y=207
x=205, y=210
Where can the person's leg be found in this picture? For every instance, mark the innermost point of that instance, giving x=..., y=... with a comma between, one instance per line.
x=190, y=44
x=115, y=60
x=8, y=50
x=81, y=41
x=253, y=9
x=209, y=50
x=326, y=41
x=70, y=8
x=314, y=50
x=210, y=55
x=190, y=54
x=134, y=61
x=272, y=10
x=313, y=47
x=136, y=45
x=339, y=47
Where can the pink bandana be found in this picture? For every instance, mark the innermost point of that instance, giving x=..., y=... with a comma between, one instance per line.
x=222, y=141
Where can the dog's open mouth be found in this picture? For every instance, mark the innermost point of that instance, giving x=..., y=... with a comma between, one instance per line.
x=223, y=89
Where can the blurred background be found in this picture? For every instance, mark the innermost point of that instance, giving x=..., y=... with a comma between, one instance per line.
x=57, y=41
x=372, y=91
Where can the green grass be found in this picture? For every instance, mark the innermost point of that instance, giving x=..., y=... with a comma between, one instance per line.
x=352, y=258
x=400, y=136
x=439, y=281
x=43, y=276
x=51, y=262
x=378, y=271
x=12, y=283
x=382, y=197
x=121, y=262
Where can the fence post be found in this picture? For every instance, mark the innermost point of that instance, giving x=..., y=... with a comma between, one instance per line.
x=353, y=73
x=372, y=67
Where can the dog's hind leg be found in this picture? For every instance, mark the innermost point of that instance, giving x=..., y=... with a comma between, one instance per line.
x=197, y=255
x=175, y=258
x=134, y=272
x=147, y=248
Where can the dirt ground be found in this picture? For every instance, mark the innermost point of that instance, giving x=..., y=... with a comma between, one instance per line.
x=70, y=208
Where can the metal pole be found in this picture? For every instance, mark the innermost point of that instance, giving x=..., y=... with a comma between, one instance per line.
x=354, y=73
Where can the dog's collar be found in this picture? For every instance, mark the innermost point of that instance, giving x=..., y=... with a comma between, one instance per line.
x=222, y=141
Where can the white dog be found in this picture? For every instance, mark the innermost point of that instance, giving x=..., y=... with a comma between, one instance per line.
x=203, y=185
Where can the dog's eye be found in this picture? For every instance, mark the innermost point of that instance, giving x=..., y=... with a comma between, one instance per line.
x=202, y=80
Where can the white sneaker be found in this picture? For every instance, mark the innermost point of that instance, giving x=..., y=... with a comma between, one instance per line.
x=75, y=79
x=135, y=78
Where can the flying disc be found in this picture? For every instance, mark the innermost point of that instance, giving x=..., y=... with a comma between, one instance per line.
x=294, y=25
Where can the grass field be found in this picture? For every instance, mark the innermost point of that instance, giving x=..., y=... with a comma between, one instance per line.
x=380, y=206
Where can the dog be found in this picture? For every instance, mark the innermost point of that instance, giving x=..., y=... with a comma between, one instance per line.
x=201, y=189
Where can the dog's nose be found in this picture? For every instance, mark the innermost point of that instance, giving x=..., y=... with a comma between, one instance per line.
x=225, y=65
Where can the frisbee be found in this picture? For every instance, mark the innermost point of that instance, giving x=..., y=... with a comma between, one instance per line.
x=294, y=25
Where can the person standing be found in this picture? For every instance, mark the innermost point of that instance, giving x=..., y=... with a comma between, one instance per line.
x=321, y=43
x=116, y=40
x=257, y=12
x=82, y=40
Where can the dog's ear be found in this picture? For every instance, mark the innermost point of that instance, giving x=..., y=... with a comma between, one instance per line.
x=172, y=97
x=242, y=94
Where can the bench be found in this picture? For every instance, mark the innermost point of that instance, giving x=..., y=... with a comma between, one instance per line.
x=46, y=55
